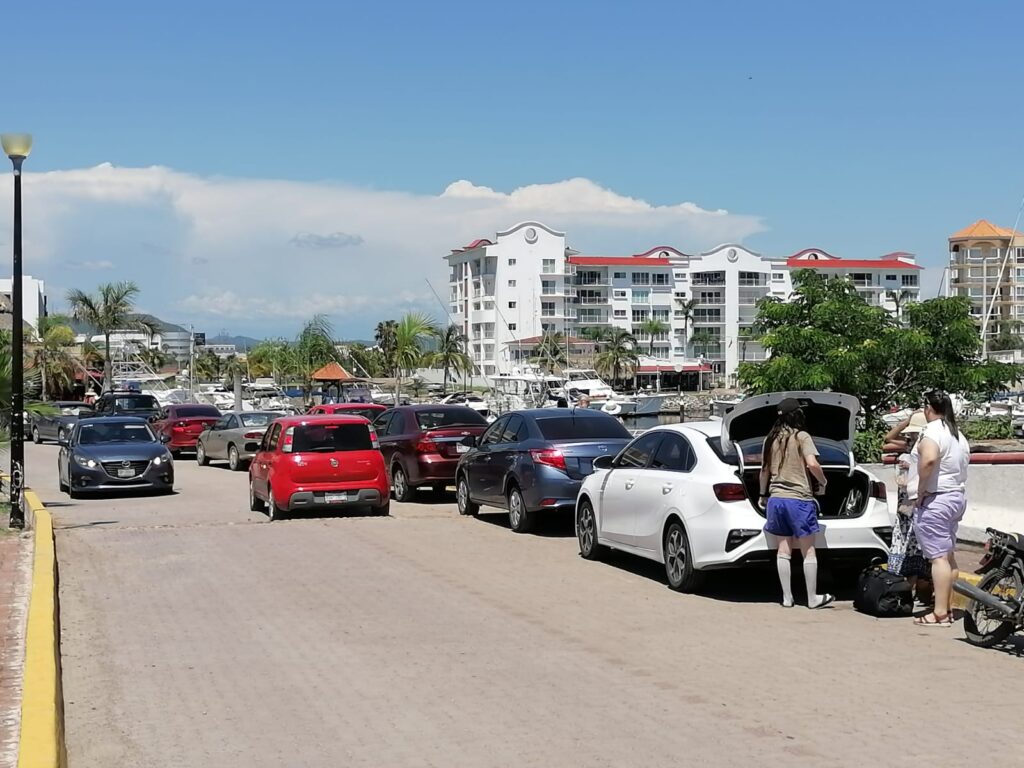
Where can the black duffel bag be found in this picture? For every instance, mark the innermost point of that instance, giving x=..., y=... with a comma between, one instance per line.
x=883, y=594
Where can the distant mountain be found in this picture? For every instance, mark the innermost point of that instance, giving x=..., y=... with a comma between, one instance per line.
x=241, y=342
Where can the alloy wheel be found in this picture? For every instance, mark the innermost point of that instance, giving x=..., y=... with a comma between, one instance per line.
x=462, y=494
x=515, y=509
x=200, y=454
x=399, y=483
x=586, y=529
x=233, y=458
x=675, y=555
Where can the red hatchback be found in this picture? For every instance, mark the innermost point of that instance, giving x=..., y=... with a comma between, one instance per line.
x=182, y=425
x=422, y=444
x=367, y=410
x=317, y=462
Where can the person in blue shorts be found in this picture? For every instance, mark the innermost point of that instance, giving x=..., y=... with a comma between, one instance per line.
x=789, y=461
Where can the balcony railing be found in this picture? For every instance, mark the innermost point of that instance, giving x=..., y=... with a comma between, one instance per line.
x=703, y=281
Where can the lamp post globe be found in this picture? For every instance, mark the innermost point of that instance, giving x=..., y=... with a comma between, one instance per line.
x=17, y=147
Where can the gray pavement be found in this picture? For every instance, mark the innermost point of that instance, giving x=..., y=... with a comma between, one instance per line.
x=196, y=634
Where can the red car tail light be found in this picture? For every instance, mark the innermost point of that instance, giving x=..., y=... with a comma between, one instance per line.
x=289, y=437
x=730, y=492
x=373, y=439
x=252, y=435
x=426, y=445
x=549, y=457
x=878, y=491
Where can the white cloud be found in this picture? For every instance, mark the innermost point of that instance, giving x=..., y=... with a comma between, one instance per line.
x=93, y=265
x=212, y=249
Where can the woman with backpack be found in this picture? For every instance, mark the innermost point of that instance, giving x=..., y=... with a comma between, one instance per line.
x=787, y=458
x=942, y=457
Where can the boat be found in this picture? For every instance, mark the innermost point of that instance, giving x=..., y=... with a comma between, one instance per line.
x=586, y=381
x=526, y=387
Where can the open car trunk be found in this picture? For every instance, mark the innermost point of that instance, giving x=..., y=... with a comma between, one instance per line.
x=846, y=495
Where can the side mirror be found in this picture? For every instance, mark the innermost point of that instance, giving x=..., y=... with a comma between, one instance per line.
x=604, y=462
x=62, y=441
x=165, y=438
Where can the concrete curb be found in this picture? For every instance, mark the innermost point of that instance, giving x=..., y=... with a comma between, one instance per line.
x=42, y=705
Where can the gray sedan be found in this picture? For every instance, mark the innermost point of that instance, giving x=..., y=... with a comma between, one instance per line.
x=57, y=424
x=235, y=437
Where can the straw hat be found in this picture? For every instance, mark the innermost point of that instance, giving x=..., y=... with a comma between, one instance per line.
x=918, y=423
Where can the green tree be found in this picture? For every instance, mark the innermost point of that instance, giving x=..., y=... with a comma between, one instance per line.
x=702, y=340
x=899, y=299
x=828, y=338
x=412, y=333
x=550, y=352
x=450, y=354
x=153, y=357
x=208, y=366
x=314, y=348
x=6, y=359
x=685, y=309
x=49, y=354
x=367, y=361
x=386, y=337
x=619, y=356
x=110, y=309
x=652, y=328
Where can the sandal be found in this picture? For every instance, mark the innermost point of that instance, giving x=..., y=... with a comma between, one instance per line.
x=934, y=620
x=826, y=599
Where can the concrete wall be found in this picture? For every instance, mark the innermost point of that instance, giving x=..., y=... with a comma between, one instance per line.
x=994, y=495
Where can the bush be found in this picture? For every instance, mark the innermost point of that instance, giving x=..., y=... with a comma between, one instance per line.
x=867, y=445
x=1000, y=428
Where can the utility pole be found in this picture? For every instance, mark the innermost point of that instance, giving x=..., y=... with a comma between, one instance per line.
x=191, y=362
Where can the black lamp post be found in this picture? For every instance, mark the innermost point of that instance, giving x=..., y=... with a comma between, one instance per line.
x=17, y=146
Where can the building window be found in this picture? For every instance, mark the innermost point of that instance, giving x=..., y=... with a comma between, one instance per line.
x=590, y=278
x=620, y=275
x=660, y=314
x=751, y=278
x=547, y=287
x=778, y=276
x=641, y=297
x=511, y=283
x=548, y=266
x=511, y=262
x=861, y=278
x=909, y=280
x=620, y=313
x=619, y=293
x=641, y=315
x=891, y=278
x=977, y=272
x=547, y=309
x=512, y=326
x=659, y=278
x=641, y=278
x=511, y=305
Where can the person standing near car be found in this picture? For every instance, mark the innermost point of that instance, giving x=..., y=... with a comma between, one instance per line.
x=788, y=461
x=942, y=458
x=905, y=556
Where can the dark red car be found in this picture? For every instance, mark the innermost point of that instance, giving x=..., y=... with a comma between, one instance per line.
x=182, y=425
x=367, y=410
x=318, y=462
x=422, y=444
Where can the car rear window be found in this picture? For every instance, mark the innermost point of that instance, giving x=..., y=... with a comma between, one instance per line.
x=184, y=411
x=450, y=417
x=257, y=419
x=588, y=427
x=328, y=438
x=135, y=403
x=75, y=410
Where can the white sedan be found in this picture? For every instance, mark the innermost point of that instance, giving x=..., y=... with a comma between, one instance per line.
x=686, y=494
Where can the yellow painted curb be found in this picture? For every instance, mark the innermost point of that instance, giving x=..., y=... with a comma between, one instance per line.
x=959, y=602
x=42, y=703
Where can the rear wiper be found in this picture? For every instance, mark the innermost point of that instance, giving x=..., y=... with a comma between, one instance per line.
x=320, y=449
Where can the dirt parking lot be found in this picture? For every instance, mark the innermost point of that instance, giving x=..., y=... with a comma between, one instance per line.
x=196, y=634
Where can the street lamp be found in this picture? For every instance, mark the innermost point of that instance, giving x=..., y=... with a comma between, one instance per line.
x=17, y=146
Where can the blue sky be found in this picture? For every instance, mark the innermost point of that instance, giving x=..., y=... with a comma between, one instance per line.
x=862, y=129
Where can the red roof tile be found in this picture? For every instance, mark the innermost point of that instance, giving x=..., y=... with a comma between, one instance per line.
x=835, y=263
x=331, y=372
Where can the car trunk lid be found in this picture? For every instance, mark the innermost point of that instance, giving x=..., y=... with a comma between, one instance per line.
x=193, y=425
x=450, y=442
x=579, y=455
x=341, y=451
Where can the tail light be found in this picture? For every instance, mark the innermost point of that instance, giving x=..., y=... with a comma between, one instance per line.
x=289, y=437
x=252, y=435
x=426, y=445
x=878, y=491
x=181, y=424
x=373, y=439
x=730, y=492
x=549, y=457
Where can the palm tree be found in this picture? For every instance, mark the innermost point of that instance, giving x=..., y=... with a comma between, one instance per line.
x=598, y=334
x=450, y=354
x=49, y=354
x=619, y=355
x=384, y=335
x=653, y=328
x=685, y=309
x=411, y=333
x=550, y=352
x=41, y=409
x=899, y=298
x=154, y=358
x=110, y=309
x=208, y=366
x=314, y=348
x=702, y=340
x=746, y=335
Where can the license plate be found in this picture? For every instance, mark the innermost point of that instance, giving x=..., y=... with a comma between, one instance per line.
x=126, y=472
x=335, y=498
x=461, y=448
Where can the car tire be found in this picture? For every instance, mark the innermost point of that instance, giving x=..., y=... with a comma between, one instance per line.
x=255, y=502
x=61, y=484
x=72, y=493
x=36, y=438
x=234, y=462
x=520, y=519
x=201, y=458
x=400, y=484
x=175, y=453
x=384, y=510
x=682, y=576
x=274, y=512
x=466, y=505
x=586, y=531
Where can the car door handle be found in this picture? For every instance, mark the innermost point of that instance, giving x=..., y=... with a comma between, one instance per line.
x=667, y=488
x=630, y=483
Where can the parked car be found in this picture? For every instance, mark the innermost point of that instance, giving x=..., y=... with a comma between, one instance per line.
x=535, y=460
x=422, y=444
x=54, y=426
x=318, y=462
x=685, y=495
x=367, y=410
x=127, y=403
x=113, y=453
x=469, y=400
x=235, y=437
x=182, y=425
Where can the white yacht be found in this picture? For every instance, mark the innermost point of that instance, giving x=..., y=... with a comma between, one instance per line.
x=525, y=387
x=586, y=381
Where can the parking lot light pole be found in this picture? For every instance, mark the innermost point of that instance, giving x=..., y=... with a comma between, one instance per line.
x=17, y=146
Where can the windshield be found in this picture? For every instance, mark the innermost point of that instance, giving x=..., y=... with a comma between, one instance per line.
x=135, y=403
x=450, y=417
x=185, y=411
x=257, y=419
x=582, y=375
x=328, y=438
x=829, y=451
x=114, y=432
x=584, y=428
x=366, y=413
x=75, y=410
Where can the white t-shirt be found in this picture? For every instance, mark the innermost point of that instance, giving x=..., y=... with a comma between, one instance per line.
x=908, y=463
x=954, y=456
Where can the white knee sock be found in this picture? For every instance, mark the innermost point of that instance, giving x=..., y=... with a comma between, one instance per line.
x=785, y=578
x=811, y=578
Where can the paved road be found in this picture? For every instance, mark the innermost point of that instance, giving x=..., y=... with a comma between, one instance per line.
x=196, y=634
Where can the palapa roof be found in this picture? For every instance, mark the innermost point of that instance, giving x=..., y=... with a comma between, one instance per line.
x=332, y=372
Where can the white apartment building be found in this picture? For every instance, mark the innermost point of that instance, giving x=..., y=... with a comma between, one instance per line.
x=221, y=350
x=33, y=298
x=506, y=293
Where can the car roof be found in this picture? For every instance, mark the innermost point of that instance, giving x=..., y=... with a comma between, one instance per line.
x=352, y=406
x=68, y=403
x=586, y=413
x=320, y=419
x=251, y=413
x=434, y=406
x=113, y=420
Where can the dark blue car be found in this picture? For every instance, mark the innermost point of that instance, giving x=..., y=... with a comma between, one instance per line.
x=113, y=453
x=535, y=460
